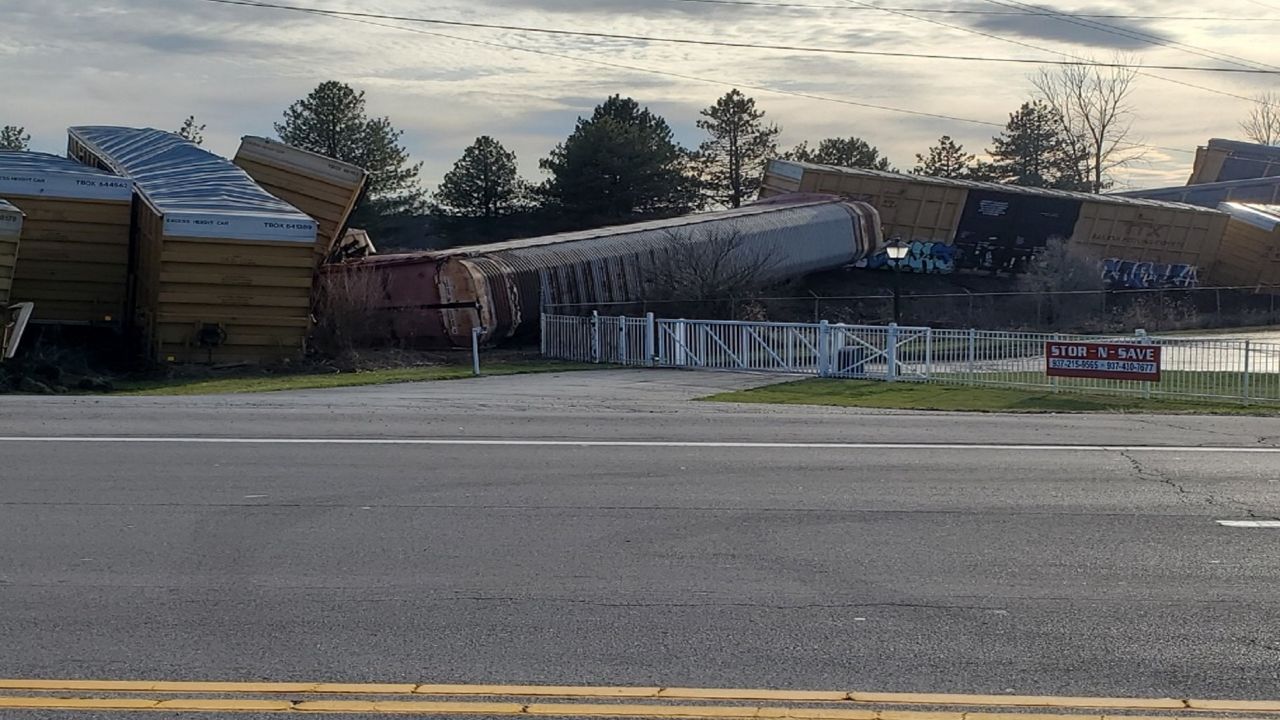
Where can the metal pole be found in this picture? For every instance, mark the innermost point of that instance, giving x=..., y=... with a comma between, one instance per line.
x=475, y=350
x=897, y=293
x=891, y=352
x=622, y=341
x=824, y=349
x=595, y=336
x=650, y=340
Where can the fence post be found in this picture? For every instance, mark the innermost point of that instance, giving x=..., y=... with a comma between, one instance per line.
x=928, y=354
x=824, y=349
x=1143, y=339
x=623, y=358
x=973, y=352
x=891, y=352
x=650, y=340
x=1053, y=379
x=681, y=343
x=595, y=336
x=1246, y=372
x=542, y=333
x=475, y=350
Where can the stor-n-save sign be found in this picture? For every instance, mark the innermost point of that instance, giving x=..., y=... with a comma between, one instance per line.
x=1105, y=361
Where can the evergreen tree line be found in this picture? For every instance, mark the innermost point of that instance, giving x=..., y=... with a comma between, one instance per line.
x=622, y=163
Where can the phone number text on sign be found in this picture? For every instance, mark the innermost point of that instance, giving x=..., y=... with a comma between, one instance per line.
x=1105, y=361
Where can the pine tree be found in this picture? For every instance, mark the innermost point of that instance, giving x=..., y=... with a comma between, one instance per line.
x=332, y=121
x=947, y=159
x=732, y=159
x=14, y=137
x=1034, y=151
x=192, y=131
x=483, y=187
x=851, y=152
x=622, y=163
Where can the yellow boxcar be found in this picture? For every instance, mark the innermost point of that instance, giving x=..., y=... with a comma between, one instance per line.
x=323, y=188
x=1251, y=247
x=223, y=269
x=75, y=253
x=996, y=226
x=10, y=236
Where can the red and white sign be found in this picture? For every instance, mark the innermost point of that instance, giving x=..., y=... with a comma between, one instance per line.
x=1106, y=361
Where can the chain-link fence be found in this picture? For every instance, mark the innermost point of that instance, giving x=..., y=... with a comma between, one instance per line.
x=1088, y=311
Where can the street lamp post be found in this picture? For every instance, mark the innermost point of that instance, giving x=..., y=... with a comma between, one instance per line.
x=897, y=252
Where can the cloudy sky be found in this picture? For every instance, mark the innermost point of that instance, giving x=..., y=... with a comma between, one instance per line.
x=152, y=62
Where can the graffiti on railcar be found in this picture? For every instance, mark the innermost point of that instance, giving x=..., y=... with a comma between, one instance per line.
x=925, y=256
x=1121, y=274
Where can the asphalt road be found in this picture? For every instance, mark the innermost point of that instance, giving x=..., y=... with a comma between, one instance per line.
x=935, y=569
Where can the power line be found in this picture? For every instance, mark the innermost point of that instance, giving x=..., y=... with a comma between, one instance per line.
x=652, y=71
x=665, y=73
x=1139, y=35
x=1041, y=48
x=725, y=43
x=937, y=11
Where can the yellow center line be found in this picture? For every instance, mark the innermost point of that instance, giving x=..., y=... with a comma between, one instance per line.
x=623, y=693
x=437, y=707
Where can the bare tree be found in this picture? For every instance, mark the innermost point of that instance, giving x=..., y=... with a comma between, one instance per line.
x=1093, y=103
x=1263, y=124
x=1056, y=271
x=710, y=264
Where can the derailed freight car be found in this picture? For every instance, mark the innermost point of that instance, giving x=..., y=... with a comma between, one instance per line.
x=1252, y=190
x=10, y=236
x=436, y=298
x=1251, y=247
x=223, y=269
x=322, y=187
x=990, y=226
x=1221, y=160
x=75, y=255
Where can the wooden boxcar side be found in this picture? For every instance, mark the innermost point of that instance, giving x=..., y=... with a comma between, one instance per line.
x=325, y=189
x=10, y=236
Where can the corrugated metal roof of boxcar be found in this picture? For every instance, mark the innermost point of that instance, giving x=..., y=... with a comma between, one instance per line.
x=36, y=174
x=25, y=160
x=178, y=175
x=1207, y=190
x=751, y=210
x=1266, y=217
x=994, y=187
x=1237, y=146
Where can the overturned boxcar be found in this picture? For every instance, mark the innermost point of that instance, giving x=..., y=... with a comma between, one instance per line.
x=10, y=235
x=222, y=268
x=75, y=250
x=989, y=226
x=436, y=298
x=1221, y=160
x=1251, y=247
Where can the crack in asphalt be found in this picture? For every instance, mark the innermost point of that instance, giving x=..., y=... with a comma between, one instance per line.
x=1186, y=495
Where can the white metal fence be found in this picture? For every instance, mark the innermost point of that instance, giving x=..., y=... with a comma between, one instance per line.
x=1192, y=367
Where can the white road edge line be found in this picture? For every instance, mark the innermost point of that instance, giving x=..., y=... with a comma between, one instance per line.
x=1250, y=523
x=639, y=444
